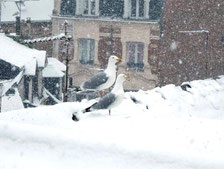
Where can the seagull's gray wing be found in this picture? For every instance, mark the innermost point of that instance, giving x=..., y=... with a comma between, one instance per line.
x=105, y=102
x=95, y=81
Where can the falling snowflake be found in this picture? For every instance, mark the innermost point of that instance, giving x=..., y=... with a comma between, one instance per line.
x=173, y=46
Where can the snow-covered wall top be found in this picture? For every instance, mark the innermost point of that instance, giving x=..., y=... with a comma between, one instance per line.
x=36, y=10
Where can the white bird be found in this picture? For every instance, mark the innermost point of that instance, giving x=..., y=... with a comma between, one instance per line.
x=104, y=79
x=109, y=101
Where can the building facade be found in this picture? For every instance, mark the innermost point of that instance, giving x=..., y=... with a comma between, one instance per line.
x=100, y=28
x=192, y=42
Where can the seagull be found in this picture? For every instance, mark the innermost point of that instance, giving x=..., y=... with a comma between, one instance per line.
x=109, y=101
x=104, y=79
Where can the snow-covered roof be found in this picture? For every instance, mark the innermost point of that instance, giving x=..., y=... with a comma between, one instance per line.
x=61, y=36
x=40, y=56
x=57, y=63
x=52, y=71
x=9, y=83
x=55, y=68
x=36, y=10
x=20, y=55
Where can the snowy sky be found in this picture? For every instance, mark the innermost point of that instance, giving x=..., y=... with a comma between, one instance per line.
x=36, y=10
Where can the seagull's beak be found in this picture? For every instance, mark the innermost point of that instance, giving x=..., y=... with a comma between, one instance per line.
x=119, y=59
x=128, y=78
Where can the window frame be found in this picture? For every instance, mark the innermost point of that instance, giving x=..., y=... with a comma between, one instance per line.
x=90, y=44
x=138, y=63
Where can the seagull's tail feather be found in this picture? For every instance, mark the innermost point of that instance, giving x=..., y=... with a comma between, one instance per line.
x=86, y=110
x=138, y=101
x=135, y=100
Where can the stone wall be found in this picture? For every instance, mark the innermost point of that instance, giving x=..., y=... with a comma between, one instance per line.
x=33, y=30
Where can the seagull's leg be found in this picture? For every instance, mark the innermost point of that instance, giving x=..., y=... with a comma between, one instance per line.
x=101, y=93
x=109, y=112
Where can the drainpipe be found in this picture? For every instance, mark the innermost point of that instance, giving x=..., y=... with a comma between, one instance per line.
x=66, y=73
x=111, y=40
x=0, y=14
x=207, y=54
x=1, y=89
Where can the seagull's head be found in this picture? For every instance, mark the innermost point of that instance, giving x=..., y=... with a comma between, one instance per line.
x=123, y=77
x=118, y=87
x=114, y=59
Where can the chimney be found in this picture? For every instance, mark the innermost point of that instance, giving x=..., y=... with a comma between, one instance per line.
x=18, y=25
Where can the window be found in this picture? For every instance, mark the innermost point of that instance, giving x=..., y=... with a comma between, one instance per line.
x=87, y=51
x=135, y=55
x=112, y=8
x=89, y=7
x=155, y=9
x=68, y=7
x=26, y=87
x=137, y=8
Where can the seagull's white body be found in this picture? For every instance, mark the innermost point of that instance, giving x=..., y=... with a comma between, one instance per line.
x=118, y=91
x=115, y=97
x=109, y=101
x=111, y=72
x=105, y=79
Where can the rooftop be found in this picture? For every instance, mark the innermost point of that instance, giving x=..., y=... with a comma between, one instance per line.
x=54, y=68
x=20, y=55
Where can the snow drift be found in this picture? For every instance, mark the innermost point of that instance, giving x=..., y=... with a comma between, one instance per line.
x=166, y=128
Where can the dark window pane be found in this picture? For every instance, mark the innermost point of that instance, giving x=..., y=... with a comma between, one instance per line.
x=87, y=51
x=131, y=52
x=93, y=4
x=86, y=7
x=222, y=41
x=133, y=8
x=135, y=55
x=68, y=7
x=141, y=8
x=111, y=8
x=155, y=9
x=92, y=50
x=140, y=52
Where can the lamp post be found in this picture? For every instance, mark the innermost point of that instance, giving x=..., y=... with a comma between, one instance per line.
x=66, y=63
